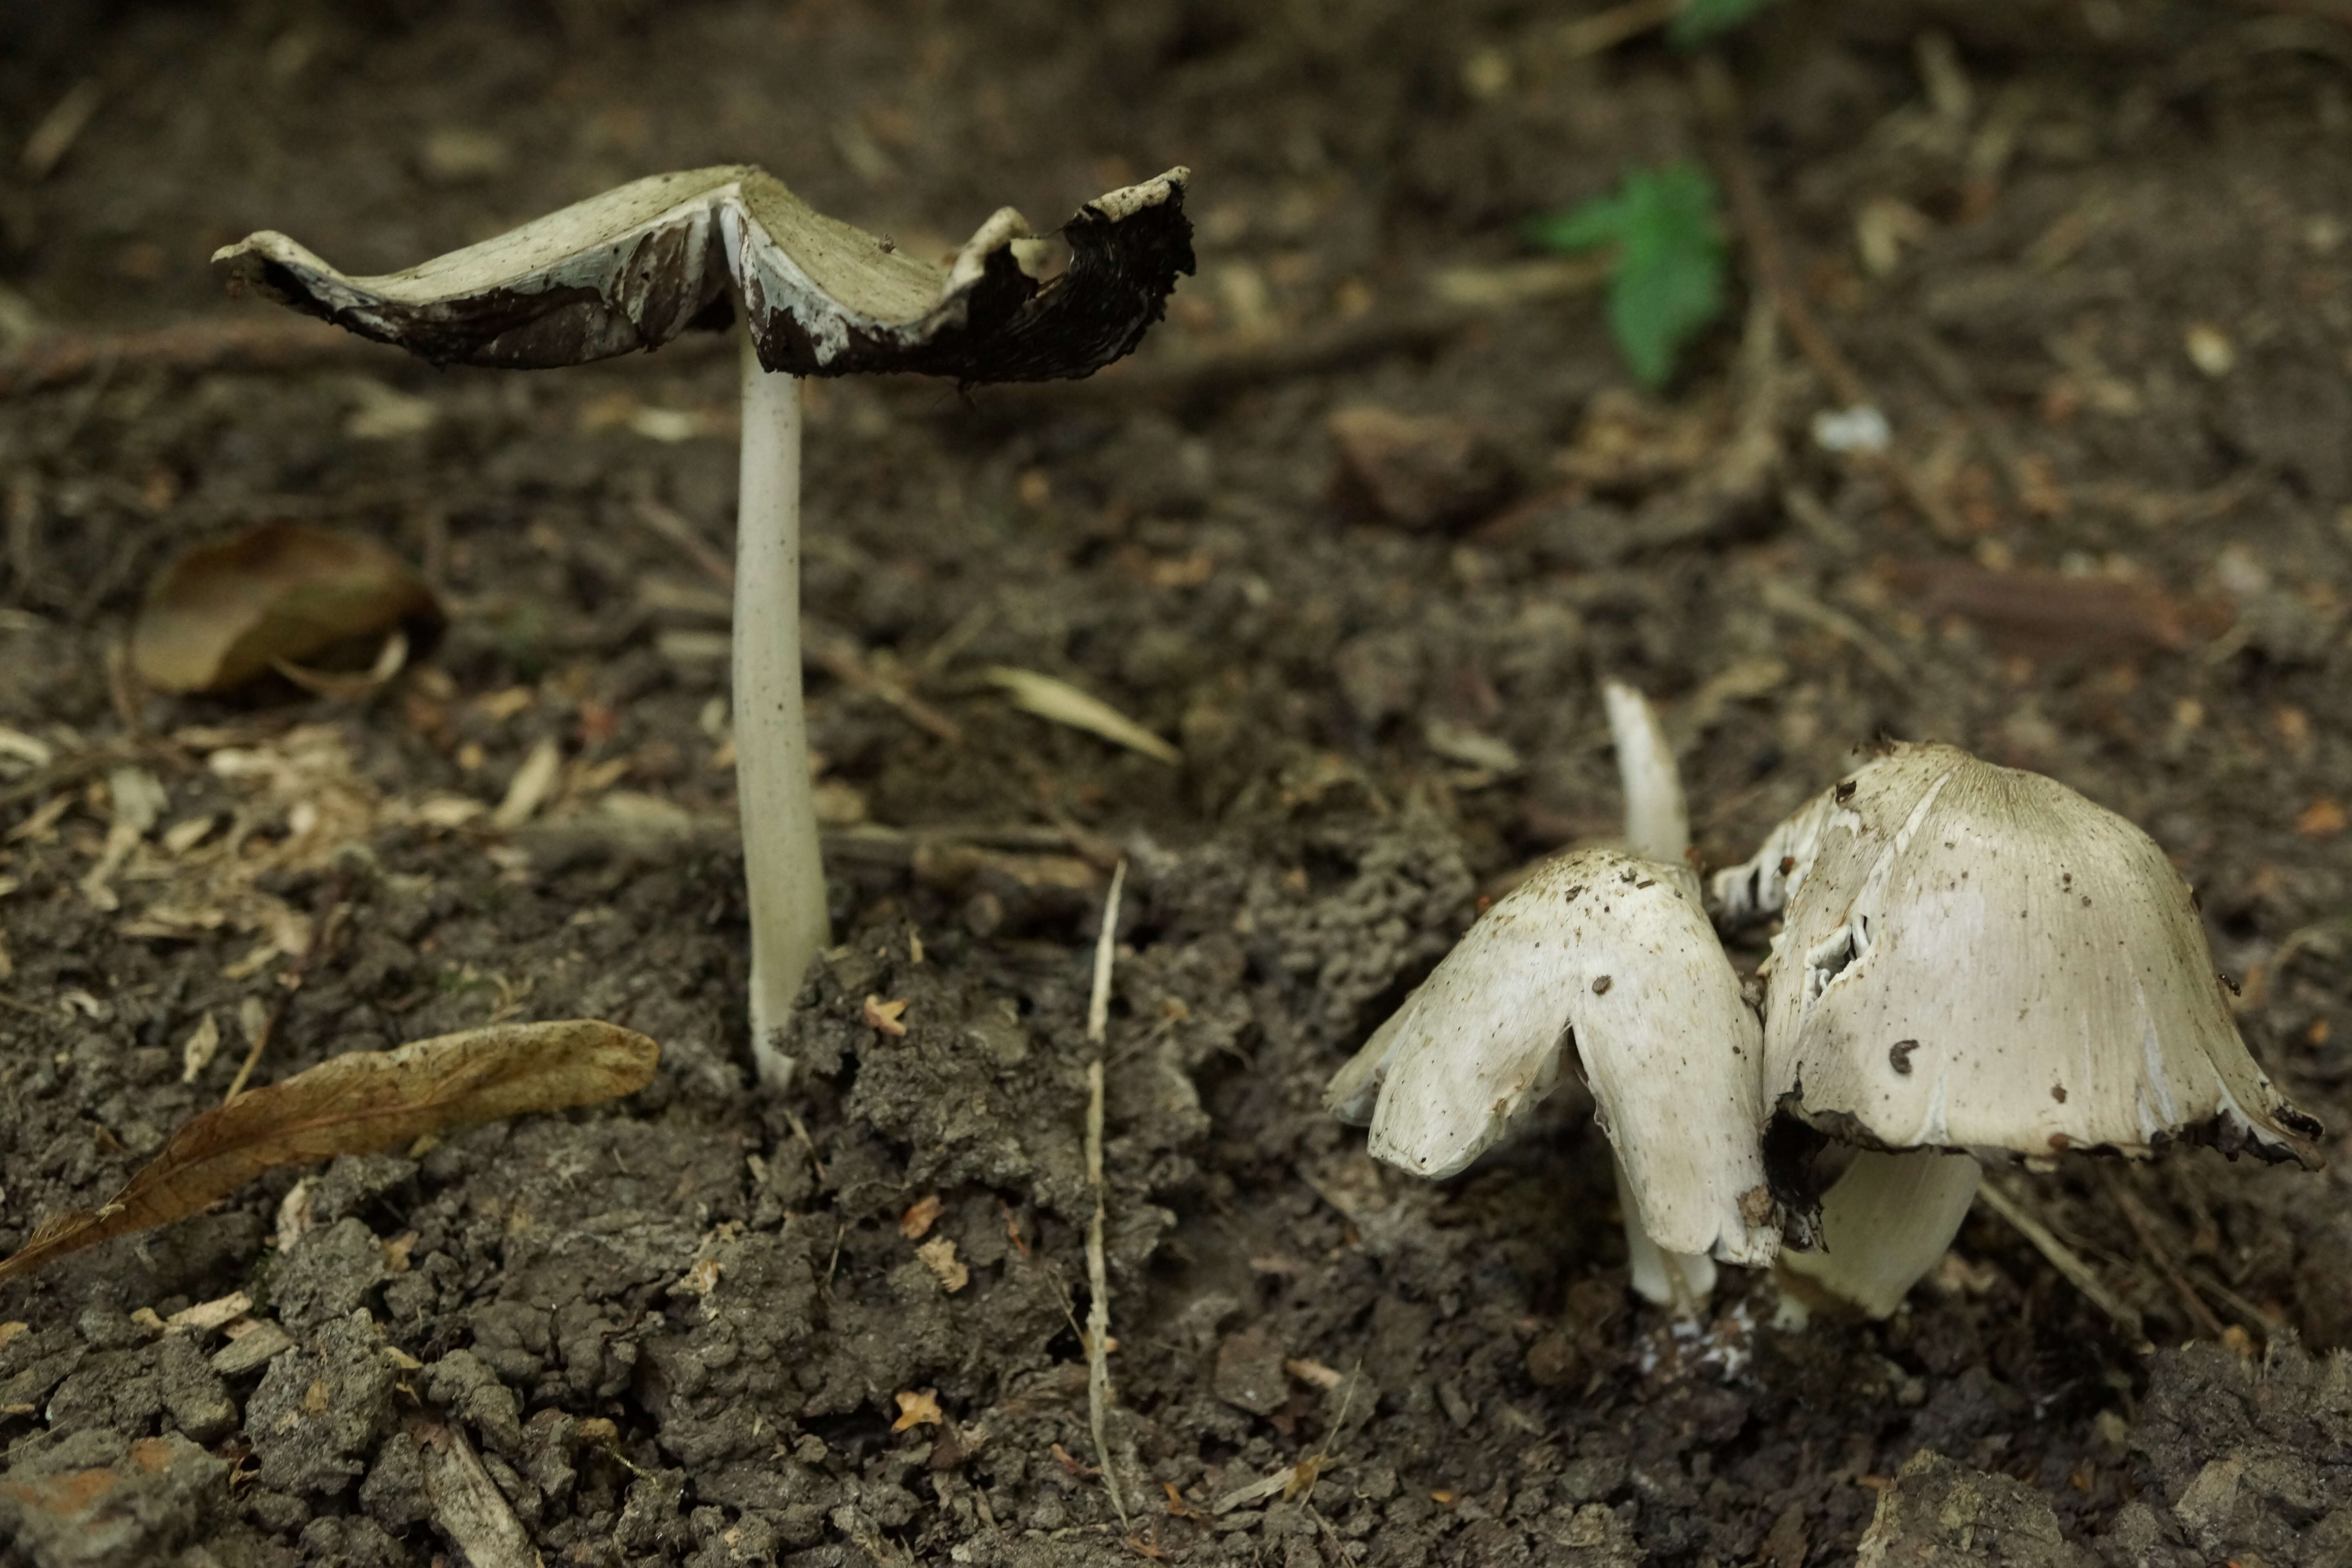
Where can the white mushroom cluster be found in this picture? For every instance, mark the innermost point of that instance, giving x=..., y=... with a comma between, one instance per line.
x=1975, y=965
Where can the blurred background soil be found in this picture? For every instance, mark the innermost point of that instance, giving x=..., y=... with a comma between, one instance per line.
x=1357, y=529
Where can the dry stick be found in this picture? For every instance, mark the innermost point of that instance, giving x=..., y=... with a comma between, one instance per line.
x=2142, y=1225
x=1604, y=30
x=1098, y=1391
x=2063, y=1258
x=222, y=343
x=1718, y=99
x=322, y=927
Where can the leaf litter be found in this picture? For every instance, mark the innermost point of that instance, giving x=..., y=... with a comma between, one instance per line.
x=358, y=1103
x=220, y=614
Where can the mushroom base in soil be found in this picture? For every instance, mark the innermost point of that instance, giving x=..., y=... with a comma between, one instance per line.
x=633, y=268
x=1978, y=958
x=1602, y=960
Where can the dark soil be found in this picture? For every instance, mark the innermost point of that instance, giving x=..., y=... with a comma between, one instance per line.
x=684, y=1328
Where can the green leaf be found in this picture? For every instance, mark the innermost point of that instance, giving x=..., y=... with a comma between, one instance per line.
x=1597, y=222
x=1667, y=286
x=1702, y=21
x=1668, y=283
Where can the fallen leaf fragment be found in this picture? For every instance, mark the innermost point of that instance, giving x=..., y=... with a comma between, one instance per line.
x=1314, y=1371
x=197, y=1051
x=359, y=1103
x=920, y=1215
x=210, y=1314
x=885, y=1015
x=222, y=612
x=532, y=784
x=2323, y=818
x=351, y=686
x=920, y=1408
x=939, y=1256
x=1063, y=703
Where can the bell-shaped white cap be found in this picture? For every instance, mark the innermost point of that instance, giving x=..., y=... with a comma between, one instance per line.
x=1979, y=957
x=1610, y=956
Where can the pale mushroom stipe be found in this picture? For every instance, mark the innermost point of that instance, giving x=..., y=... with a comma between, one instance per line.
x=1603, y=960
x=633, y=268
x=1977, y=961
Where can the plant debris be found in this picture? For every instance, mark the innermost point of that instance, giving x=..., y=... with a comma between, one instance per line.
x=278, y=594
x=358, y=1103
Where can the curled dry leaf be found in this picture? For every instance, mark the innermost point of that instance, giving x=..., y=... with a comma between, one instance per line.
x=359, y=1103
x=274, y=595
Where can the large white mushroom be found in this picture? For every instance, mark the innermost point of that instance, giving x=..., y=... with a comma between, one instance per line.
x=1977, y=961
x=1603, y=961
x=636, y=267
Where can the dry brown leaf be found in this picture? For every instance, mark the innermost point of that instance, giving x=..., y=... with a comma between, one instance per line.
x=2323, y=818
x=920, y=1215
x=920, y=1408
x=222, y=612
x=359, y=1103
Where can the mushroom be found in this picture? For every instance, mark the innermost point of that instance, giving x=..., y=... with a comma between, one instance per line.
x=1978, y=961
x=1606, y=957
x=636, y=267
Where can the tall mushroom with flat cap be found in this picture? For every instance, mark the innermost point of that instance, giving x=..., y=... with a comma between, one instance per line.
x=1605, y=960
x=636, y=267
x=1978, y=961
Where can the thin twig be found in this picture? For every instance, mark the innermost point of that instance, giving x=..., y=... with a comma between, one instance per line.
x=2143, y=1225
x=668, y=523
x=1718, y=99
x=2063, y=1258
x=841, y=657
x=1098, y=1390
x=322, y=923
x=226, y=341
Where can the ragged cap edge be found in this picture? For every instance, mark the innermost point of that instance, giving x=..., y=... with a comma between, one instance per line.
x=1615, y=948
x=1982, y=959
x=634, y=267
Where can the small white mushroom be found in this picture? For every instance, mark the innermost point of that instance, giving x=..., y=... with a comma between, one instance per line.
x=1605, y=960
x=636, y=267
x=1979, y=959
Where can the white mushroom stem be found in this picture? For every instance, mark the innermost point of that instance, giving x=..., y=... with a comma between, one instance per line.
x=1682, y=1281
x=1884, y=1223
x=1657, y=828
x=783, y=872
x=1657, y=823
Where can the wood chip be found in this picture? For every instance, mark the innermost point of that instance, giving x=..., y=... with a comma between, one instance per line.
x=206, y=1316
x=262, y=1342
x=467, y=1506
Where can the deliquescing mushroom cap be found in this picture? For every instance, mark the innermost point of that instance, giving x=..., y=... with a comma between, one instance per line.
x=1976, y=957
x=1609, y=956
x=634, y=267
